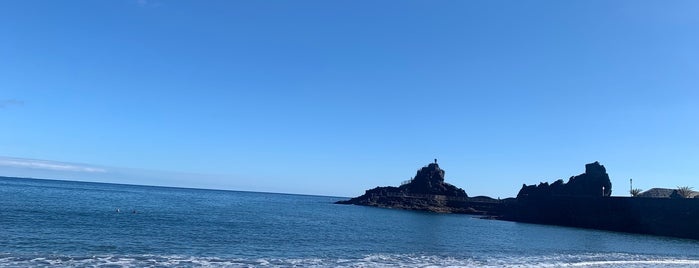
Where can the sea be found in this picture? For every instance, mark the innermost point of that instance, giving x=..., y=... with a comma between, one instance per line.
x=51, y=223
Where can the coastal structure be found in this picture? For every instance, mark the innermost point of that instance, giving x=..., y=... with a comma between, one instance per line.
x=666, y=193
x=594, y=182
x=585, y=202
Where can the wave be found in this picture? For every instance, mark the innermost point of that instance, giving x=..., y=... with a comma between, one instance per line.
x=639, y=263
x=373, y=260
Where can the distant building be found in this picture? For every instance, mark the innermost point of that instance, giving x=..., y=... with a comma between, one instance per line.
x=657, y=193
x=662, y=193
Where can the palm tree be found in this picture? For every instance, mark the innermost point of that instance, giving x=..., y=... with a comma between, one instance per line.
x=635, y=192
x=685, y=191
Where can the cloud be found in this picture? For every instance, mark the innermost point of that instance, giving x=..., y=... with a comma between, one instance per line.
x=11, y=102
x=48, y=165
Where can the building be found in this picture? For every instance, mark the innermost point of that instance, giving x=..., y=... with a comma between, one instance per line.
x=663, y=193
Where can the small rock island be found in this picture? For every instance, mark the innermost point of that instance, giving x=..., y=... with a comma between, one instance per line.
x=427, y=191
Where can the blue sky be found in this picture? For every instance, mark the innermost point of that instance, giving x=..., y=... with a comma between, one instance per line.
x=336, y=97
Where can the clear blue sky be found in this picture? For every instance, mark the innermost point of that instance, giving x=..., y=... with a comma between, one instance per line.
x=336, y=97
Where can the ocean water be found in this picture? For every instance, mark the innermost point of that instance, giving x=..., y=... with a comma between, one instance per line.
x=47, y=223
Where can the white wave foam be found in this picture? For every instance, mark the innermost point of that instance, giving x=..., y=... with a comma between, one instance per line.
x=640, y=263
x=373, y=260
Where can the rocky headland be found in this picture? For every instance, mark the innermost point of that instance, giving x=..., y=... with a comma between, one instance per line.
x=427, y=191
x=584, y=201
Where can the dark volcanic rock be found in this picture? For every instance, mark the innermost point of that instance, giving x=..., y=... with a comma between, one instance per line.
x=426, y=191
x=430, y=180
x=678, y=217
x=582, y=202
x=594, y=182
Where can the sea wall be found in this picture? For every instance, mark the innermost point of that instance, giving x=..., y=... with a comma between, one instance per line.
x=655, y=216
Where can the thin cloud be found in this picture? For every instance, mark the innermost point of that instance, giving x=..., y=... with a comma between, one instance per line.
x=11, y=102
x=48, y=165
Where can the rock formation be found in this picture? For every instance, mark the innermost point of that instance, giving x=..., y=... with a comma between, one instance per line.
x=426, y=191
x=582, y=202
x=594, y=182
x=430, y=180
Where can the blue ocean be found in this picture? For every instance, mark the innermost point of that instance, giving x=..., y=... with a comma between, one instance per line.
x=77, y=224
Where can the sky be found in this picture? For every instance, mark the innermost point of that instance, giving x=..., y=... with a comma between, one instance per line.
x=336, y=97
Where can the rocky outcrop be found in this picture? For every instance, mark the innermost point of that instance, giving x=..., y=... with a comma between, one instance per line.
x=430, y=180
x=594, y=182
x=426, y=191
x=585, y=202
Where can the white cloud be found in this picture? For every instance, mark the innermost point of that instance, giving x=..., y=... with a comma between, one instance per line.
x=48, y=165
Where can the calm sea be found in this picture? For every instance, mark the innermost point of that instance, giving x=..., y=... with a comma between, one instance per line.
x=76, y=224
